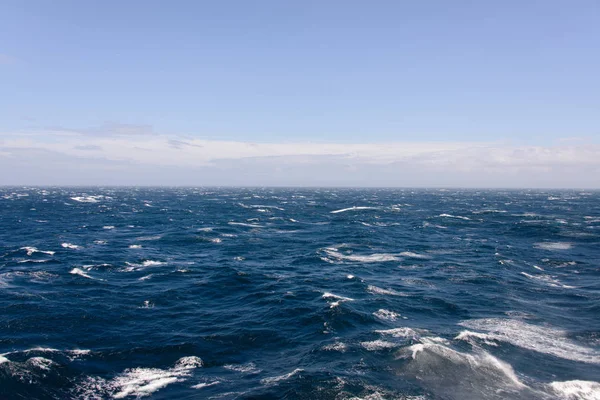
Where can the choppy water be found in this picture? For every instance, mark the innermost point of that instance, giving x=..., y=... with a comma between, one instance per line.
x=299, y=294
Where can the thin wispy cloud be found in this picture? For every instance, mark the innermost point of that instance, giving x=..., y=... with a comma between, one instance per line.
x=164, y=159
x=6, y=59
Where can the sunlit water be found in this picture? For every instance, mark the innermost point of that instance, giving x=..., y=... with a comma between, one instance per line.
x=299, y=294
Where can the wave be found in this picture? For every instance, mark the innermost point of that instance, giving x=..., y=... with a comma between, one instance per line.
x=542, y=339
x=553, y=246
x=405, y=333
x=376, y=345
x=353, y=209
x=87, y=199
x=337, y=346
x=205, y=384
x=371, y=258
x=138, y=382
x=378, y=290
x=32, y=250
x=386, y=315
x=339, y=299
x=275, y=379
x=70, y=246
x=77, y=271
x=246, y=224
x=248, y=368
x=547, y=279
x=576, y=390
x=454, y=216
x=461, y=375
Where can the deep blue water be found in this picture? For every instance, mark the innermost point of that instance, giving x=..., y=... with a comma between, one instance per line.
x=299, y=294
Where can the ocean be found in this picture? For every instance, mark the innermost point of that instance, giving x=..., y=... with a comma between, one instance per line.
x=275, y=293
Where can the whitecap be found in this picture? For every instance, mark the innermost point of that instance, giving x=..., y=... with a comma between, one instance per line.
x=205, y=384
x=378, y=290
x=454, y=216
x=553, y=245
x=151, y=263
x=40, y=363
x=353, y=209
x=466, y=375
x=138, y=382
x=246, y=225
x=576, y=390
x=404, y=332
x=337, y=346
x=275, y=379
x=87, y=199
x=31, y=250
x=77, y=271
x=371, y=258
x=413, y=255
x=339, y=299
x=386, y=315
x=468, y=336
x=547, y=279
x=376, y=345
x=542, y=339
x=70, y=246
x=108, y=227
x=248, y=368
x=135, y=246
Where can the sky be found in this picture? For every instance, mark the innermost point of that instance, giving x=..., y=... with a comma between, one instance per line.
x=300, y=93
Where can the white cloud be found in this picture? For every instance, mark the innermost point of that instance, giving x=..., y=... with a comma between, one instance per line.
x=69, y=157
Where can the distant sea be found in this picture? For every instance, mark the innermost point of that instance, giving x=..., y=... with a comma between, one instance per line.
x=204, y=293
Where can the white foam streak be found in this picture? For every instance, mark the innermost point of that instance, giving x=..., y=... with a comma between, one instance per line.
x=70, y=246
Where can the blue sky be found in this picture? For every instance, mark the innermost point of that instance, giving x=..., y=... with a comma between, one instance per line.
x=275, y=72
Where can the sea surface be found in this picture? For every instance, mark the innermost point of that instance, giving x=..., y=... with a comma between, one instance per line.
x=205, y=293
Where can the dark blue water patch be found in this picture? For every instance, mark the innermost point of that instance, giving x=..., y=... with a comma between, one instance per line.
x=299, y=293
